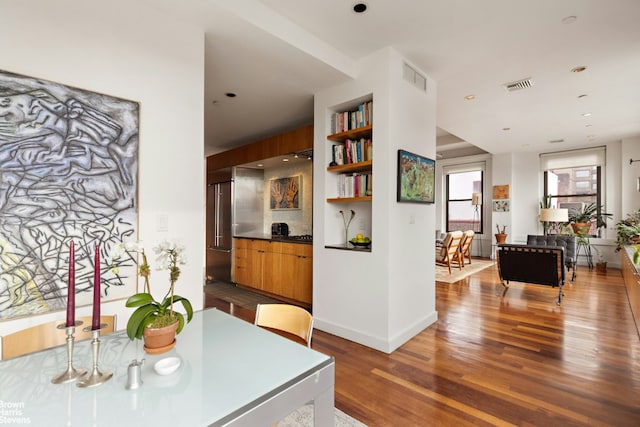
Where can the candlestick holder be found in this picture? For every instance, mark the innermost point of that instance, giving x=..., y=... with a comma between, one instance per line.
x=71, y=374
x=96, y=377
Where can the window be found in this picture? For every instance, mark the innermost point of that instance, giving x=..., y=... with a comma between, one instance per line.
x=461, y=213
x=574, y=178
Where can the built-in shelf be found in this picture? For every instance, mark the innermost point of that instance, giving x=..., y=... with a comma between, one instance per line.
x=351, y=167
x=363, y=132
x=349, y=199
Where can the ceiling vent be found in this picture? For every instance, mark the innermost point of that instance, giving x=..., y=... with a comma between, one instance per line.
x=411, y=75
x=518, y=85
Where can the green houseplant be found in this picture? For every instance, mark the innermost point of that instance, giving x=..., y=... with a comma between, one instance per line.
x=581, y=219
x=151, y=313
x=628, y=230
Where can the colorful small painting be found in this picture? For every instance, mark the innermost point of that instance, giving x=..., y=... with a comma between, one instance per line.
x=416, y=178
x=500, y=191
x=501, y=205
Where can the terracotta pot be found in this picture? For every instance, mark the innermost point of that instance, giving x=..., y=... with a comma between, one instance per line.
x=581, y=228
x=160, y=340
x=601, y=267
x=501, y=238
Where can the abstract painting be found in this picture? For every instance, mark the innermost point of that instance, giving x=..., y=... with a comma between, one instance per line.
x=68, y=172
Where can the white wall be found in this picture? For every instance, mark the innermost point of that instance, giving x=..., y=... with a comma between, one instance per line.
x=384, y=297
x=125, y=50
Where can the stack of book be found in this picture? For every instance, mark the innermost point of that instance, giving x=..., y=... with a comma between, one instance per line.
x=352, y=151
x=356, y=185
x=347, y=120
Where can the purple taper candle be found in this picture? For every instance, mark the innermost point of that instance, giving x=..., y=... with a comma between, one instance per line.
x=95, y=321
x=71, y=287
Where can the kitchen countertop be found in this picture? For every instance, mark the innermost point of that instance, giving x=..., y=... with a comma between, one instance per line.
x=261, y=236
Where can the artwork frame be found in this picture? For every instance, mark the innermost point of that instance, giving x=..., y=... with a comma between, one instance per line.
x=69, y=161
x=416, y=178
x=285, y=193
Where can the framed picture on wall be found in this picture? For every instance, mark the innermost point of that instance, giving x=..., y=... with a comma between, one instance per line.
x=284, y=193
x=416, y=178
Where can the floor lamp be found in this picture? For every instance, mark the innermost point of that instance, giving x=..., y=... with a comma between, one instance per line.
x=553, y=217
x=476, y=201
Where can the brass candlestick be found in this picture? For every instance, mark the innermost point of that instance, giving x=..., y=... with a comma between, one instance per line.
x=71, y=374
x=95, y=377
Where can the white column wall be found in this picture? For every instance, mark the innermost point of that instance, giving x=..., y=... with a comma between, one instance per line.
x=123, y=49
x=384, y=297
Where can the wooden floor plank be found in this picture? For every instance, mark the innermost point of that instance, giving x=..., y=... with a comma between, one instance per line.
x=492, y=360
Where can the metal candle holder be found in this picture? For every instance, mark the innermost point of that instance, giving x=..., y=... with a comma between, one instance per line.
x=95, y=377
x=71, y=374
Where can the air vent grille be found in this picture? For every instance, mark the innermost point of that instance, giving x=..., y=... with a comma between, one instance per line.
x=411, y=75
x=518, y=85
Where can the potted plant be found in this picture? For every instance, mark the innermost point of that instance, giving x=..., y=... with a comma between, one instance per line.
x=156, y=321
x=581, y=219
x=501, y=235
x=628, y=230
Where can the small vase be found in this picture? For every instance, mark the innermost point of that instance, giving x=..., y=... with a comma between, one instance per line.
x=346, y=236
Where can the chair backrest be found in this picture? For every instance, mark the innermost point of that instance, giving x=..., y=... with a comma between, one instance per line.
x=47, y=335
x=569, y=243
x=451, y=244
x=286, y=317
x=466, y=241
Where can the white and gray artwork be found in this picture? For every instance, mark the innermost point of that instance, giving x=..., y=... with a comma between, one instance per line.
x=68, y=171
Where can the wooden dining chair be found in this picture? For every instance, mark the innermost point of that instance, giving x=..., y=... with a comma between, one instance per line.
x=47, y=335
x=465, y=247
x=288, y=318
x=449, y=252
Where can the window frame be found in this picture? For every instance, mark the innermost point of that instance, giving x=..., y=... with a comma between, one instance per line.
x=479, y=168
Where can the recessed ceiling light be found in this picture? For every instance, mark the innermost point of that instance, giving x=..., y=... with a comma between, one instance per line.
x=230, y=95
x=506, y=129
x=215, y=102
x=285, y=160
x=588, y=125
x=569, y=19
x=578, y=69
x=360, y=7
x=584, y=95
x=260, y=165
x=556, y=141
x=470, y=97
x=586, y=114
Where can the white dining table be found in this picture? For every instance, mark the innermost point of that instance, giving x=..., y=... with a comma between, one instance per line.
x=231, y=373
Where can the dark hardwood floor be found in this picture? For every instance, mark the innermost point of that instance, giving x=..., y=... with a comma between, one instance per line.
x=518, y=360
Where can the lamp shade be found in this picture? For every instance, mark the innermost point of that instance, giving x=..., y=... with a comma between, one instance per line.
x=476, y=199
x=554, y=215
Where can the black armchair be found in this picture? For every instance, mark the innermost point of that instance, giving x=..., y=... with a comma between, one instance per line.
x=569, y=243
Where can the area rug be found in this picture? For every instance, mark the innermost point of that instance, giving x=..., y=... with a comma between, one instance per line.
x=442, y=273
x=304, y=417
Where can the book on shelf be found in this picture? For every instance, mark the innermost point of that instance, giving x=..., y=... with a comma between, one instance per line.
x=354, y=185
x=352, y=151
x=348, y=120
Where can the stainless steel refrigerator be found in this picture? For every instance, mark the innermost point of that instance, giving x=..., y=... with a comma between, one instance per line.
x=219, y=233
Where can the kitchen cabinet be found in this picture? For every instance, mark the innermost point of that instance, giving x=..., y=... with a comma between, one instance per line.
x=281, y=269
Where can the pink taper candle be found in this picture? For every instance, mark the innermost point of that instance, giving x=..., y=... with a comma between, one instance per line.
x=95, y=321
x=71, y=288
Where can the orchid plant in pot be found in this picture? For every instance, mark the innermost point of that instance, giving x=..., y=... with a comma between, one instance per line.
x=152, y=317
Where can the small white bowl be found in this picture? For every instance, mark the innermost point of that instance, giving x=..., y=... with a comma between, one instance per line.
x=167, y=366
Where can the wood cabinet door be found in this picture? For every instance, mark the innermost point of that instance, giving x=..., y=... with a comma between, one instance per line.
x=248, y=263
x=296, y=272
